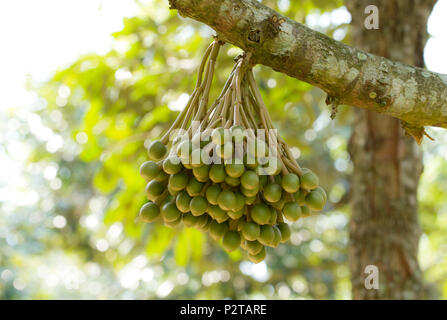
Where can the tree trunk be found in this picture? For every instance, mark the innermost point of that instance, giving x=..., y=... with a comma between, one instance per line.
x=384, y=228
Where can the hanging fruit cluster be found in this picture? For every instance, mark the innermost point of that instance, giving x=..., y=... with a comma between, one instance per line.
x=223, y=169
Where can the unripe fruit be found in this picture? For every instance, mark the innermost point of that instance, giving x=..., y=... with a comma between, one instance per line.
x=305, y=211
x=217, y=230
x=309, y=180
x=149, y=212
x=173, y=193
x=235, y=170
x=172, y=165
x=240, y=202
x=290, y=183
x=203, y=222
x=170, y=212
x=250, y=200
x=251, y=231
x=232, y=182
x=217, y=173
x=236, y=214
x=189, y=220
x=182, y=201
x=260, y=213
x=292, y=211
x=272, y=192
x=178, y=181
x=173, y=224
x=315, y=200
x=194, y=187
x=259, y=257
x=248, y=192
x=154, y=189
x=218, y=214
x=149, y=170
x=156, y=150
x=300, y=197
x=162, y=176
x=231, y=240
x=250, y=180
x=212, y=193
x=277, y=238
x=226, y=200
x=201, y=173
x=267, y=235
x=253, y=247
x=198, y=206
x=323, y=193
x=285, y=231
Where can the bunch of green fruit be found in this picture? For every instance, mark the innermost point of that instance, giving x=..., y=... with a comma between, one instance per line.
x=223, y=169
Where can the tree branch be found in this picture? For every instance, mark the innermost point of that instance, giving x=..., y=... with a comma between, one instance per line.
x=416, y=96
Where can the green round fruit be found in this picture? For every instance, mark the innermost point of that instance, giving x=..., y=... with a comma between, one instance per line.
x=253, y=247
x=285, y=231
x=182, y=201
x=198, y=206
x=173, y=193
x=232, y=182
x=263, y=180
x=273, y=216
x=220, y=135
x=277, y=238
x=194, y=187
x=217, y=230
x=315, y=200
x=280, y=204
x=201, y=173
x=259, y=257
x=170, y=212
x=272, y=192
x=251, y=231
x=240, y=201
x=249, y=193
x=309, y=180
x=178, y=181
x=149, y=212
x=217, y=173
x=260, y=213
x=226, y=200
x=162, y=176
x=173, y=224
x=189, y=220
x=236, y=214
x=218, y=214
x=172, y=165
x=292, y=211
x=266, y=235
x=300, y=197
x=231, y=240
x=250, y=180
x=149, y=170
x=250, y=200
x=235, y=170
x=156, y=150
x=305, y=211
x=323, y=193
x=203, y=222
x=212, y=193
x=154, y=189
x=290, y=183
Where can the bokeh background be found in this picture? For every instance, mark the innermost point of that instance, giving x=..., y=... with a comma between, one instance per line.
x=85, y=84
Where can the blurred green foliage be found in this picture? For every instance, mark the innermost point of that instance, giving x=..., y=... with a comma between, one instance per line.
x=82, y=238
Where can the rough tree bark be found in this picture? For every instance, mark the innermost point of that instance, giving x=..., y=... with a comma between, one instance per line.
x=384, y=228
x=348, y=75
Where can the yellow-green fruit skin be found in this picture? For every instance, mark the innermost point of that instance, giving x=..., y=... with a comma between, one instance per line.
x=315, y=200
x=156, y=150
x=231, y=241
x=149, y=170
x=257, y=258
x=149, y=212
